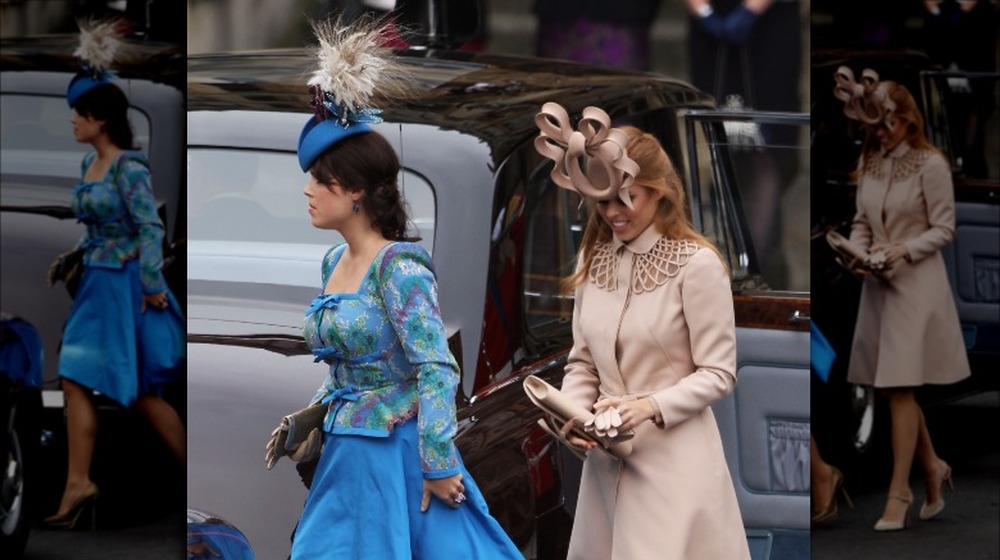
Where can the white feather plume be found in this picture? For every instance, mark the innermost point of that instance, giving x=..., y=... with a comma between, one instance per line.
x=99, y=43
x=353, y=65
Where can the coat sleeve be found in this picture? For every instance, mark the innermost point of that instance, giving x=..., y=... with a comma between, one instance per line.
x=707, y=299
x=939, y=196
x=409, y=292
x=581, y=381
x=133, y=181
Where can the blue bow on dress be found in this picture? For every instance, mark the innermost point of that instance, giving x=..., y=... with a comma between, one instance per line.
x=327, y=301
x=345, y=393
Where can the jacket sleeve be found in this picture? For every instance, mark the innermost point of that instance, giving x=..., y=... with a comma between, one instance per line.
x=939, y=195
x=134, y=182
x=409, y=291
x=707, y=299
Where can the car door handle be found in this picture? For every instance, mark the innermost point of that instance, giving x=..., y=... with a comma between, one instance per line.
x=798, y=318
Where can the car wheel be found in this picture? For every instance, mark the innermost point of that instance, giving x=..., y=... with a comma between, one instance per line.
x=16, y=486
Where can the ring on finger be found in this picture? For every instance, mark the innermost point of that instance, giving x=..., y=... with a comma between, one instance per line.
x=459, y=498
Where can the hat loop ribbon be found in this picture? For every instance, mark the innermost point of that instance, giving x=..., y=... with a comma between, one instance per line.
x=591, y=160
x=866, y=101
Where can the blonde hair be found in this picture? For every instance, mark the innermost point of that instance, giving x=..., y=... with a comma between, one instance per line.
x=657, y=173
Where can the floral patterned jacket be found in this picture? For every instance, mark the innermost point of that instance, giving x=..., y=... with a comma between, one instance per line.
x=120, y=214
x=388, y=354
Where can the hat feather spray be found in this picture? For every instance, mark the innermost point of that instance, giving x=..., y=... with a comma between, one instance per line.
x=353, y=68
x=100, y=43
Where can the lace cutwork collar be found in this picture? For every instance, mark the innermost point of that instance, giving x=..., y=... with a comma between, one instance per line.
x=906, y=163
x=655, y=266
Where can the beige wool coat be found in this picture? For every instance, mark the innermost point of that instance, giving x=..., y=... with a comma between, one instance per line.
x=656, y=318
x=907, y=333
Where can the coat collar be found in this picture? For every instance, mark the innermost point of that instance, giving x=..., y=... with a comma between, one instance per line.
x=899, y=151
x=641, y=244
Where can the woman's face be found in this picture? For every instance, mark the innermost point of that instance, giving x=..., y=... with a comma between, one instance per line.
x=329, y=205
x=86, y=129
x=628, y=223
x=891, y=132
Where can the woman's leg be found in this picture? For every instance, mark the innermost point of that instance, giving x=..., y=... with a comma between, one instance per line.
x=821, y=478
x=166, y=422
x=81, y=431
x=905, y=413
x=934, y=468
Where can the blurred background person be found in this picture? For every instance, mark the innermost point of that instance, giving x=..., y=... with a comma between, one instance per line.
x=749, y=54
x=597, y=31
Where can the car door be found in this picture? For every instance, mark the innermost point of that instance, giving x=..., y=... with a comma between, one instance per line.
x=959, y=106
x=749, y=192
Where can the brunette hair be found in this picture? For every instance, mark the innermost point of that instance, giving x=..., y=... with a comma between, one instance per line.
x=366, y=162
x=657, y=173
x=107, y=102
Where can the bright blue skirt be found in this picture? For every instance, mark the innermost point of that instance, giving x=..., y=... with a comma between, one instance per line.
x=365, y=503
x=109, y=346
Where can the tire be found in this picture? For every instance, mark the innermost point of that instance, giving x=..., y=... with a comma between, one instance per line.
x=17, y=485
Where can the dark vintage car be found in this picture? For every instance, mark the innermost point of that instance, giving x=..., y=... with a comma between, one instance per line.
x=502, y=235
x=962, y=119
x=40, y=163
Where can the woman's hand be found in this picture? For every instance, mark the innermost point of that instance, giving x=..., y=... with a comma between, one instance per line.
x=156, y=301
x=578, y=442
x=449, y=490
x=632, y=411
x=893, y=253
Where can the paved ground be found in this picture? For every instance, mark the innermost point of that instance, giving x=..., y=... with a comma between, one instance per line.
x=969, y=527
x=141, y=509
x=157, y=539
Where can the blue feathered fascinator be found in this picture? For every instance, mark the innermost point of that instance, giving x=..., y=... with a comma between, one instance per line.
x=99, y=43
x=353, y=67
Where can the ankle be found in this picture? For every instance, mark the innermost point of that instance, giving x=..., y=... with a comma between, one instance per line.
x=938, y=469
x=823, y=474
x=900, y=496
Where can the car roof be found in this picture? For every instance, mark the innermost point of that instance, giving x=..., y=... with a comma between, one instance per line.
x=492, y=97
x=137, y=59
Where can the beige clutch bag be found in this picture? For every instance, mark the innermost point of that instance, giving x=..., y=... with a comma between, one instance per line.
x=298, y=436
x=559, y=409
x=845, y=248
x=875, y=262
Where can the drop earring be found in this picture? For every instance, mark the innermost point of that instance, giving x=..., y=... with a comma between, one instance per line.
x=357, y=207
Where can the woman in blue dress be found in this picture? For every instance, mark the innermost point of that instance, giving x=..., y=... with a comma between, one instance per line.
x=390, y=483
x=124, y=337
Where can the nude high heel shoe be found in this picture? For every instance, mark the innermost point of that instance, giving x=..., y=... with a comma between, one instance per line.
x=829, y=512
x=84, y=502
x=886, y=525
x=929, y=511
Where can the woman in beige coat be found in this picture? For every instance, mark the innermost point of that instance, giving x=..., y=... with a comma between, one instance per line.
x=654, y=337
x=907, y=332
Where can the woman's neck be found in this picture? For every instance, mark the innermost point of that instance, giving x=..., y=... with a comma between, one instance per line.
x=363, y=241
x=105, y=148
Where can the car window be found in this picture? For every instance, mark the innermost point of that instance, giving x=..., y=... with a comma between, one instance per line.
x=752, y=195
x=37, y=138
x=244, y=196
x=553, y=229
x=962, y=120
